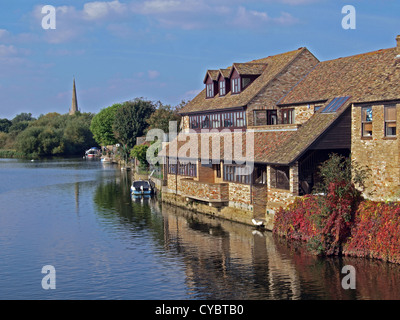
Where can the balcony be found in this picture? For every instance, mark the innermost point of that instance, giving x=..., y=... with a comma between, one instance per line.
x=203, y=191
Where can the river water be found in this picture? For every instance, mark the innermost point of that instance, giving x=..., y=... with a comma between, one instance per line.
x=78, y=216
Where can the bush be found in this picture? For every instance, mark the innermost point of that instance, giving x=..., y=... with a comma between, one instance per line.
x=324, y=221
x=375, y=233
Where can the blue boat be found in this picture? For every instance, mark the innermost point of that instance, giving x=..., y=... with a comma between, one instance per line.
x=141, y=187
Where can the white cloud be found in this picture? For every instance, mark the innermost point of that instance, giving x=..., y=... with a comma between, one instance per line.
x=117, y=17
x=100, y=9
x=254, y=19
x=154, y=7
x=6, y=51
x=3, y=33
x=152, y=74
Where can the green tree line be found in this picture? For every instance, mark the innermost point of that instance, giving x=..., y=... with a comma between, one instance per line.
x=57, y=134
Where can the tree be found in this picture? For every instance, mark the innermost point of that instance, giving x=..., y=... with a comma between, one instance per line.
x=139, y=152
x=5, y=124
x=23, y=117
x=55, y=134
x=102, y=125
x=77, y=135
x=162, y=116
x=130, y=122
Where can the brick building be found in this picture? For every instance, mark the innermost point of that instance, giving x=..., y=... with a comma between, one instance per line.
x=253, y=139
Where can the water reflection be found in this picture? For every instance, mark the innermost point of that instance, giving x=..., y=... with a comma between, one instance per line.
x=227, y=260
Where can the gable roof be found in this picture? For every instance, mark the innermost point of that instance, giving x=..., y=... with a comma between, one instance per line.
x=213, y=74
x=248, y=69
x=274, y=65
x=224, y=72
x=373, y=76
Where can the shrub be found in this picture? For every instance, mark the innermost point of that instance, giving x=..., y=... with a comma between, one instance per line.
x=375, y=233
x=324, y=221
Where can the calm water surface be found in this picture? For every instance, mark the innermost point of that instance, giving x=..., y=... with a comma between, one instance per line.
x=79, y=217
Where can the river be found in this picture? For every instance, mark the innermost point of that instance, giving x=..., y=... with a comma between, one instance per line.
x=78, y=216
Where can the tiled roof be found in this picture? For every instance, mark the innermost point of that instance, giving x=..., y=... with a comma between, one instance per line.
x=213, y=74
x=282, y=147
x=249, y=69
x=372, y=76
x=239, y=146
x=274, y=65
x=299, y=142
x=225, y=72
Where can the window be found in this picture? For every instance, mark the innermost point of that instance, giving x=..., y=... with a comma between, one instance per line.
x=217, y=169
x=265, y=117
x=194, y=122
x=205, y=122
x=390, y=121
x=187, y=169
x=216, y=120
x=210, y=90
x=171, y=168
x=260, y=174
x=231, y=174
x=236, y=85
x=245, y=82
x=366, y=121
x=222, y=88
x=272, y=117
x=240, y=119
x=230, y=119
x=317, y=107
x=287, y=116
x=280, y=177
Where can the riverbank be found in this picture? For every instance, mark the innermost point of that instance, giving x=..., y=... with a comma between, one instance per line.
x=8, y=153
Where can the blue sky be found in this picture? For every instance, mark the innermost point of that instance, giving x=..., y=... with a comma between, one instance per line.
x=161, y=49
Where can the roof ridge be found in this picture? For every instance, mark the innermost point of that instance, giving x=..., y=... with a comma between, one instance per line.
x=360, y=54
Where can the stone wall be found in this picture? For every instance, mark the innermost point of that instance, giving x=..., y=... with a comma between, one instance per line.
x=185, y=123
x=228, y=213
x=239, y=196
x=213, y=192
x=379, y=153
x=303, y=113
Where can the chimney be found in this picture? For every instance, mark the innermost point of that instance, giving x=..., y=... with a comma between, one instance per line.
x=398, y=46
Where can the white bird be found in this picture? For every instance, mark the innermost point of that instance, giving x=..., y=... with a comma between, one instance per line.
x=257, y=223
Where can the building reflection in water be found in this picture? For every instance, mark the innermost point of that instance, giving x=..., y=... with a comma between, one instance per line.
x=226, y=260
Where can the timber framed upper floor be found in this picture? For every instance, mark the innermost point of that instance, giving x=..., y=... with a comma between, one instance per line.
x=245, y=95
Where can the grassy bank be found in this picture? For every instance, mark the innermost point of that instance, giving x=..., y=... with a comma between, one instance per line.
x=7, y=153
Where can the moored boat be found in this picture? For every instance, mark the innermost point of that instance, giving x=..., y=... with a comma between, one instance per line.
x=141, y=187
x=92, y=153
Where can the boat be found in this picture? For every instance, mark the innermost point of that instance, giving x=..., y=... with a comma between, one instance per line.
x=141, y=187
x=92, y=153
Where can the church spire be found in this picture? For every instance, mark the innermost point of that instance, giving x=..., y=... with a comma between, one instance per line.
x=74, y=106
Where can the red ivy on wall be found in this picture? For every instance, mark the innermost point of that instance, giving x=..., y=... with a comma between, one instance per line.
x=341, y=223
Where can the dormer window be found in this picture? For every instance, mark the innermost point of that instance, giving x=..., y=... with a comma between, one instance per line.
x=211, y=82
x=245, y=82
x=236, y=85
x=222, y=87
x=210, y=90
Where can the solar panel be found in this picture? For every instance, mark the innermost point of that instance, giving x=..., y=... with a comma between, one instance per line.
x=335, y=104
